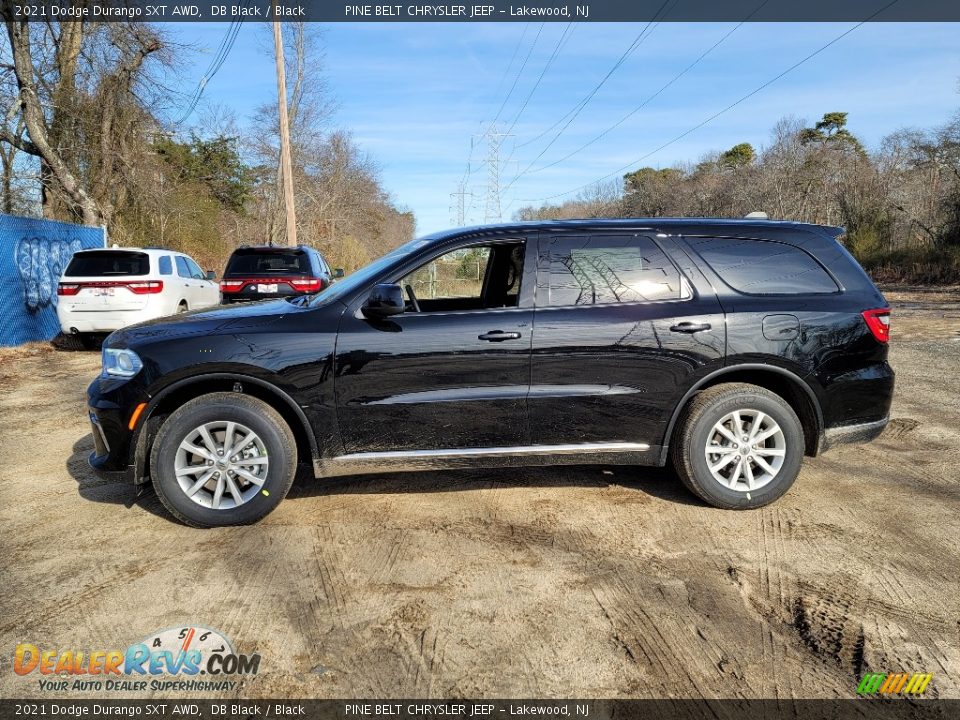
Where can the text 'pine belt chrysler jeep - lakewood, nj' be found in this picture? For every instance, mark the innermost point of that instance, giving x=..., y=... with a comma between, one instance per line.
x=729, y=348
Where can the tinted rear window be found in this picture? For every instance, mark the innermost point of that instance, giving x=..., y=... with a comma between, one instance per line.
x=108, y=262
x=272, y=262
x=761, y=267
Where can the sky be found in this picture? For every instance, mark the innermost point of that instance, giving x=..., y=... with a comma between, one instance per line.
x=416, y=97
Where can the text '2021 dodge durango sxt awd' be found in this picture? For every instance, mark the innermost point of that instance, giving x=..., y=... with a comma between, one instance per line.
x=729, y=348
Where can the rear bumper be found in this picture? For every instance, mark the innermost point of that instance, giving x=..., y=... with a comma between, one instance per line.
x=103, y=321
x=853, y=434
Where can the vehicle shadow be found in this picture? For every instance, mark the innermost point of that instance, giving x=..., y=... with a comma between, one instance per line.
x=656, y=482
x=114, y=487
x=109, y=487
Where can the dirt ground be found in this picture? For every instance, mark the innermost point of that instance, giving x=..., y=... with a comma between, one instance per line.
x=570, y=582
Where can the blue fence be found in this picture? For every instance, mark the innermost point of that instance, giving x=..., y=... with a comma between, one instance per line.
x=33, y=255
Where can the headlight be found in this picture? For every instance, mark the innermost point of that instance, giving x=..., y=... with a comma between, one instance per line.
x=120, y=363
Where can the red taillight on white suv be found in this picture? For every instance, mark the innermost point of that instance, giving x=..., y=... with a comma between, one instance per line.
x=138, y=287
x=879, y=323
x=307, y=284
x=148, y=287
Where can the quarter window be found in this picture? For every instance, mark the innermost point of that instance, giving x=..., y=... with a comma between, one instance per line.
x=604, y=269
x=165, y=266
x=762, y=267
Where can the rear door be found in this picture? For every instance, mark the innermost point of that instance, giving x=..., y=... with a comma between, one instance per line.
x=624, y=324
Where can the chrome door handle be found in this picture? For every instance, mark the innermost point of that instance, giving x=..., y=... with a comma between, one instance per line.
x=499, y=336
x=689, y=327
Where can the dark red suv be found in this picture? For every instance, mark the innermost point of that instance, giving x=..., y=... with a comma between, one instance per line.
x=261, y=273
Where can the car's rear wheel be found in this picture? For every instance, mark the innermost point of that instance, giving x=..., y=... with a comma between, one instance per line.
x=182, y=307
x=223, y=459
x=738, y=446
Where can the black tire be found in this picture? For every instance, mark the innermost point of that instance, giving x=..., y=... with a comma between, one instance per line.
x=696, y=429
x=270, y=427
x=182, y=307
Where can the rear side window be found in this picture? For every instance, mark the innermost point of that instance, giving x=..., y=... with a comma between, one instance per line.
x=270, y=262
x=607, y=269
x=166, y=267
x=761, y=267
x=104, y=263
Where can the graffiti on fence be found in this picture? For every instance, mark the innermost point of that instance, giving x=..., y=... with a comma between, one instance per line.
x=40, y=262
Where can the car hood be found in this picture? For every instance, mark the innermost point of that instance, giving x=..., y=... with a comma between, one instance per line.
x=203, y=322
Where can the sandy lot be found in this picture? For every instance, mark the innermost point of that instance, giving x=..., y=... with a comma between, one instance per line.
x=583, y=582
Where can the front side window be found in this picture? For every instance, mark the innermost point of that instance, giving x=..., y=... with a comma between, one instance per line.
x=468, y=278
x=761, y=267
x=183, y=270
x=195, y=271
x=603, y=269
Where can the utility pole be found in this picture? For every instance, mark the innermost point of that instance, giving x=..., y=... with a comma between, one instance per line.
x=286, y=167
x=492, y=212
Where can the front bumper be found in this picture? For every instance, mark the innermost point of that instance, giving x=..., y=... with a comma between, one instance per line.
x=109, y=406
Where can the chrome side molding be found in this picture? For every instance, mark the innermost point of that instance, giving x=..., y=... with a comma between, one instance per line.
x=403, y=460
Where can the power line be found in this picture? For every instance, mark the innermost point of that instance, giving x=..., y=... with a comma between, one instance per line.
x=519, y=73
x=637, y=42
x=646, y=102
x=556, y=51
x=719, y=113
x=513, y=57
x=226, y=45
x=579, y=105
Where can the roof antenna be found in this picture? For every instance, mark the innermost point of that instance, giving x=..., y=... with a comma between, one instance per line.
x=758, y=215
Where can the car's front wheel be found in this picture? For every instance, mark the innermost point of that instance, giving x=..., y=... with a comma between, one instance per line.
x=223, y=459
x=738, y=446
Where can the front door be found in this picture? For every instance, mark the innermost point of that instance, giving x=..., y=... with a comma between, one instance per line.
x=620, y=333
x=453, y=370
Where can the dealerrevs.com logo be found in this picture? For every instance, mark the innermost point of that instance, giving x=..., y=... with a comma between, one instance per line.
x=178, y=659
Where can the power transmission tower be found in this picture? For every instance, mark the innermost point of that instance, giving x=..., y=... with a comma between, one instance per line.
x=459, y=208
x=495, y=140
x=286, y=167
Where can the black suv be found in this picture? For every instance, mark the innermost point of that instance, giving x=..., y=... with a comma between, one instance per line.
x=262, y=273
x=730, y=348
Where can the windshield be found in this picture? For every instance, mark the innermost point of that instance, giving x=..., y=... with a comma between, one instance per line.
x=355, y=280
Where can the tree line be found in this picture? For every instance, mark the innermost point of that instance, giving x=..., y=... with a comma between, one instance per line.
x=83, y=139
x=900, y=204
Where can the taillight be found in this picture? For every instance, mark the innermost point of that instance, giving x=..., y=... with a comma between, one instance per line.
x=147, y=287
x=879, y=323
x=231, y=285
x=68, y=289
x=307, y=284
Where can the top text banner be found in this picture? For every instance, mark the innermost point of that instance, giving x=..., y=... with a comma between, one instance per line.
x=487, y=11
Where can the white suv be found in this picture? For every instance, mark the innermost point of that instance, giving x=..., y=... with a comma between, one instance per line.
x=105, y=290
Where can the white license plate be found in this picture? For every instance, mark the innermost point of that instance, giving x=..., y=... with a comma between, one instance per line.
x=104, y=292
x=271, y=288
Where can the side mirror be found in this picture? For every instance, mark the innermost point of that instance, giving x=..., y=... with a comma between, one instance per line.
x=338, y=273
x=383, y=301
x=211, y=275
